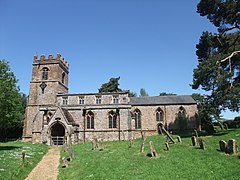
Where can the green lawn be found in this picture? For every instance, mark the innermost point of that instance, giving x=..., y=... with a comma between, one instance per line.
x=118, y=161
x=11, y=164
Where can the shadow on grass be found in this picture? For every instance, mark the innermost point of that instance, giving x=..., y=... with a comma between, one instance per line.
x=220, y=133
x=149, y=155
x=8, y=147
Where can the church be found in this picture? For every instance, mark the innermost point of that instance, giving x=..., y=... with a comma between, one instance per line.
x=54, y=117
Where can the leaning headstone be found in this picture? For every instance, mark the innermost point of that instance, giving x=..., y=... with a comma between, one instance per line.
x=232, y=146
x=220, y=125
x=152, y=149
x=179, y=139
x=167, y=146
x=223, y=146
x=143, y=142
x=202, y=144
x=195, y=133
x=194, y=140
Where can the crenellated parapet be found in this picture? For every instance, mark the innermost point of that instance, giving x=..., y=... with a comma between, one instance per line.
x=50, y=58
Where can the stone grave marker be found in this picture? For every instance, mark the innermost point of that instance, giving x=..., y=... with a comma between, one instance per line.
x=152, y=149
x=223, y=146
x=232, y=146
x=194, y=140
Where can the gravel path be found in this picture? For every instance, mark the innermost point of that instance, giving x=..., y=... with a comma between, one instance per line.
x=47, y=168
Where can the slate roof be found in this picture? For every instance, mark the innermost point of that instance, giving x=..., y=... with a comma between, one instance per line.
x=162, y=100
x=68, y=116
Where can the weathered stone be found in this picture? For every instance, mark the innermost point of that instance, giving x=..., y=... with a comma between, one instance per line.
x=195, y=133
x=194, y=140
x=202, y=144
x=65, y=162
x=167, y=146
x=131, y=143
x=23, y=156
x=179, y=139
x=152, y=149
x=143, y=142
x=232, y=146
x=223, y=146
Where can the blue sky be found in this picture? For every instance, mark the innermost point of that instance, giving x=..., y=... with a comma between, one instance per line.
x=148, y=43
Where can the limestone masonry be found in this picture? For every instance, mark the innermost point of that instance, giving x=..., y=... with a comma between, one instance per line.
x=53, y=116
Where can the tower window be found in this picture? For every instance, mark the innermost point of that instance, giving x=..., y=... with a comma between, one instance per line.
x=65, y=100
x=63, y=77
x=81, y=100
x=98, y=99
x=115, y=99
x=45, y=73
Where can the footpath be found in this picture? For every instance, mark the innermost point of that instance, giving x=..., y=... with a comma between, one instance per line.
x=47, y=168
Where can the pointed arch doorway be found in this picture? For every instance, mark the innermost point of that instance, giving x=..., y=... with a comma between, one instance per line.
x=57, y=134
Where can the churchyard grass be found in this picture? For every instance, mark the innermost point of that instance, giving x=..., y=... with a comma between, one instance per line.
x=182, y=161
x=12, y=166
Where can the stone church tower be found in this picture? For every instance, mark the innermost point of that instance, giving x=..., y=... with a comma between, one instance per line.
x=49, y=78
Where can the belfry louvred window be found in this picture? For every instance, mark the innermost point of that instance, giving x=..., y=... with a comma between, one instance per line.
x=45, y=73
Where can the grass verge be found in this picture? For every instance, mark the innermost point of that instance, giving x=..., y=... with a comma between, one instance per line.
x=11, y=164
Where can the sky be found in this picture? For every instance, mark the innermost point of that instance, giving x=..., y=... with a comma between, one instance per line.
x=150, y=44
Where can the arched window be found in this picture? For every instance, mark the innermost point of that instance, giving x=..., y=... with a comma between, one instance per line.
x=112, y=118
x=181, y=112
x=137, y=115
x=90, y=120
x=159, y=115
x=63, y=77
x=45, y=73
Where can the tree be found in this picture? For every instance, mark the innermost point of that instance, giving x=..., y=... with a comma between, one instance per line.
x=143, y=92
x=12, y=103
x=111, y=86
x=167, y=94
x=218, y=70
x=205, y=111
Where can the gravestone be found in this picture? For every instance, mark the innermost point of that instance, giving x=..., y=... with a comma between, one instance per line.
x=23, y=156
x=195, y=133
x=65, y=162
x=131, y=143
x=152, y=149
x=194, y=140
x=202, y=144
x=94, y=144
x=167, y=146
x=232, y=146
x=143, y=142
x=223, y=146
x=179, y=139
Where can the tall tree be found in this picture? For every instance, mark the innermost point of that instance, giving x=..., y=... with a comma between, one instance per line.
x=111, y=86
x=12, y=102
x=218, y=70
x=167, y=94
x=143, y=92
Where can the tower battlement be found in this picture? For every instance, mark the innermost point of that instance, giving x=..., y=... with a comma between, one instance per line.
x=50, y=58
